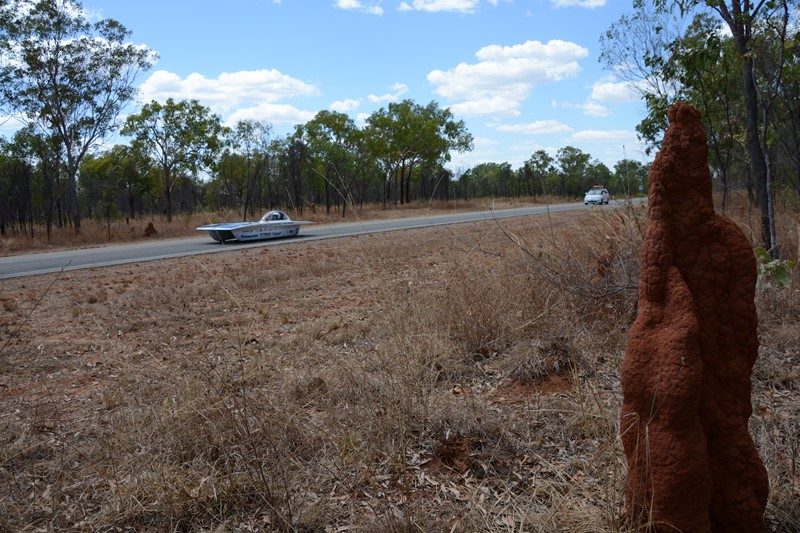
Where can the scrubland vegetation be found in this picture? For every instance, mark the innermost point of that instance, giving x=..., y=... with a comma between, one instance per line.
x=453, y=379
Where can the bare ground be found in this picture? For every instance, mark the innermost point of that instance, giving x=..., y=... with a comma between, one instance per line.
x=451, y=379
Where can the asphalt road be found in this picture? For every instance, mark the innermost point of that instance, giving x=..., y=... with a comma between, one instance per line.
x=44, y=263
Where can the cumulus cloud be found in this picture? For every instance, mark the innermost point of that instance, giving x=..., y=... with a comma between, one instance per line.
x=590, y=108
x=504, y=75
x=613, y=91
x=603, y=135
x=461, y=6
x=535, y=128
x=484, y=142
x=395, y=92
x=343, y=106
x=589, y=4
x=358, y=5
x=272, y=113
x=246, y=94
x=228, y=91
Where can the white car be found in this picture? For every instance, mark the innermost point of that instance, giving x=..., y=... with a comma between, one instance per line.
x=597, y=197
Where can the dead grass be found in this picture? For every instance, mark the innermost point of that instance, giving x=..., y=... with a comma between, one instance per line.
x=451, y=379
x=94, y=232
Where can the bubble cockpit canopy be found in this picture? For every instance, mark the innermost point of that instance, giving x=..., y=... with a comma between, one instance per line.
x=272, y=216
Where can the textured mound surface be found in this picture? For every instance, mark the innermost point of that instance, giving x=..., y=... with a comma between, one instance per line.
x=686, y=373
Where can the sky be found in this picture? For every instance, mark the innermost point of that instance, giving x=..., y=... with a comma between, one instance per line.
x=523, y=74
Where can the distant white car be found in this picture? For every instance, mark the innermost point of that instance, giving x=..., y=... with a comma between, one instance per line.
x=596, y=196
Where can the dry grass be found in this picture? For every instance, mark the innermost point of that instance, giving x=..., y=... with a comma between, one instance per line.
x=94, y=232
x=449, y=379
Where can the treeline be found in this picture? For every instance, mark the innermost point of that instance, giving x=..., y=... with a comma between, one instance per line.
x=738, y=62
x=182, y=159
x=569, y=174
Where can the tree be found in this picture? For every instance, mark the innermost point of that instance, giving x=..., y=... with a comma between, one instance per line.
x=406, y=134
x=335, y=143
x=573, y=170
x=630, y=177
x=68, y=76
x=746, y=20
x=31, y=181
x=179, y=136
x=251, y=139
x=636, y=48
x=112, y=183
x=705, y=63
x=597, y=173
x=541, y=168
x=741, y=16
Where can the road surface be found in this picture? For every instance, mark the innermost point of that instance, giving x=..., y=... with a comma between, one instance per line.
x=44, y=263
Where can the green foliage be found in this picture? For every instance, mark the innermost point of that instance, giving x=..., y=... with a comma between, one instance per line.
x=180, y=137
x=406, y=134
x=773, y=272
x=69, y=76
x=630, y=178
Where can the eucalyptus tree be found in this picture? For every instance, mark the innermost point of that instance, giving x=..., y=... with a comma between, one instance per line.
x=67, y=75
x=742, y=18
x=180, y=137
x=636, y=49
x=114, y=182
x=336, y=146
x=31, y=181
x=251, y=139
x=573, y=170
x=597, y=173
x=538, y=170
x=706, y=64
x=630, y=177
x=747, y=21
x=136, y=177
x=406, y=134
x=16, y=192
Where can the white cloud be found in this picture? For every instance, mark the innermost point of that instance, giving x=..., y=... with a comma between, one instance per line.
x=602, y=135
x=496, y=105
x=358, y=5
x=461, y=6
x=612, y=91
x=590, y=4
x=272, y=113
x=484, y=142
x=590, y=108
x=343, y=106
x=504, y=75
x=593, y=109
x=534, y=128
x=228, y=91
x=396, y=91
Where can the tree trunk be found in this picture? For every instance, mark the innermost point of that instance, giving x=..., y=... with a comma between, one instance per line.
x=758, y=162
x=327, y=194
x=72, y=198
x=168, y=192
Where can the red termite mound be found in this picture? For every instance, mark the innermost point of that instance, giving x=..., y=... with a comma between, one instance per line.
x=692, y=465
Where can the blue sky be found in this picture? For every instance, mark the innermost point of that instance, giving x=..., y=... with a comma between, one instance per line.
x=524, y=75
